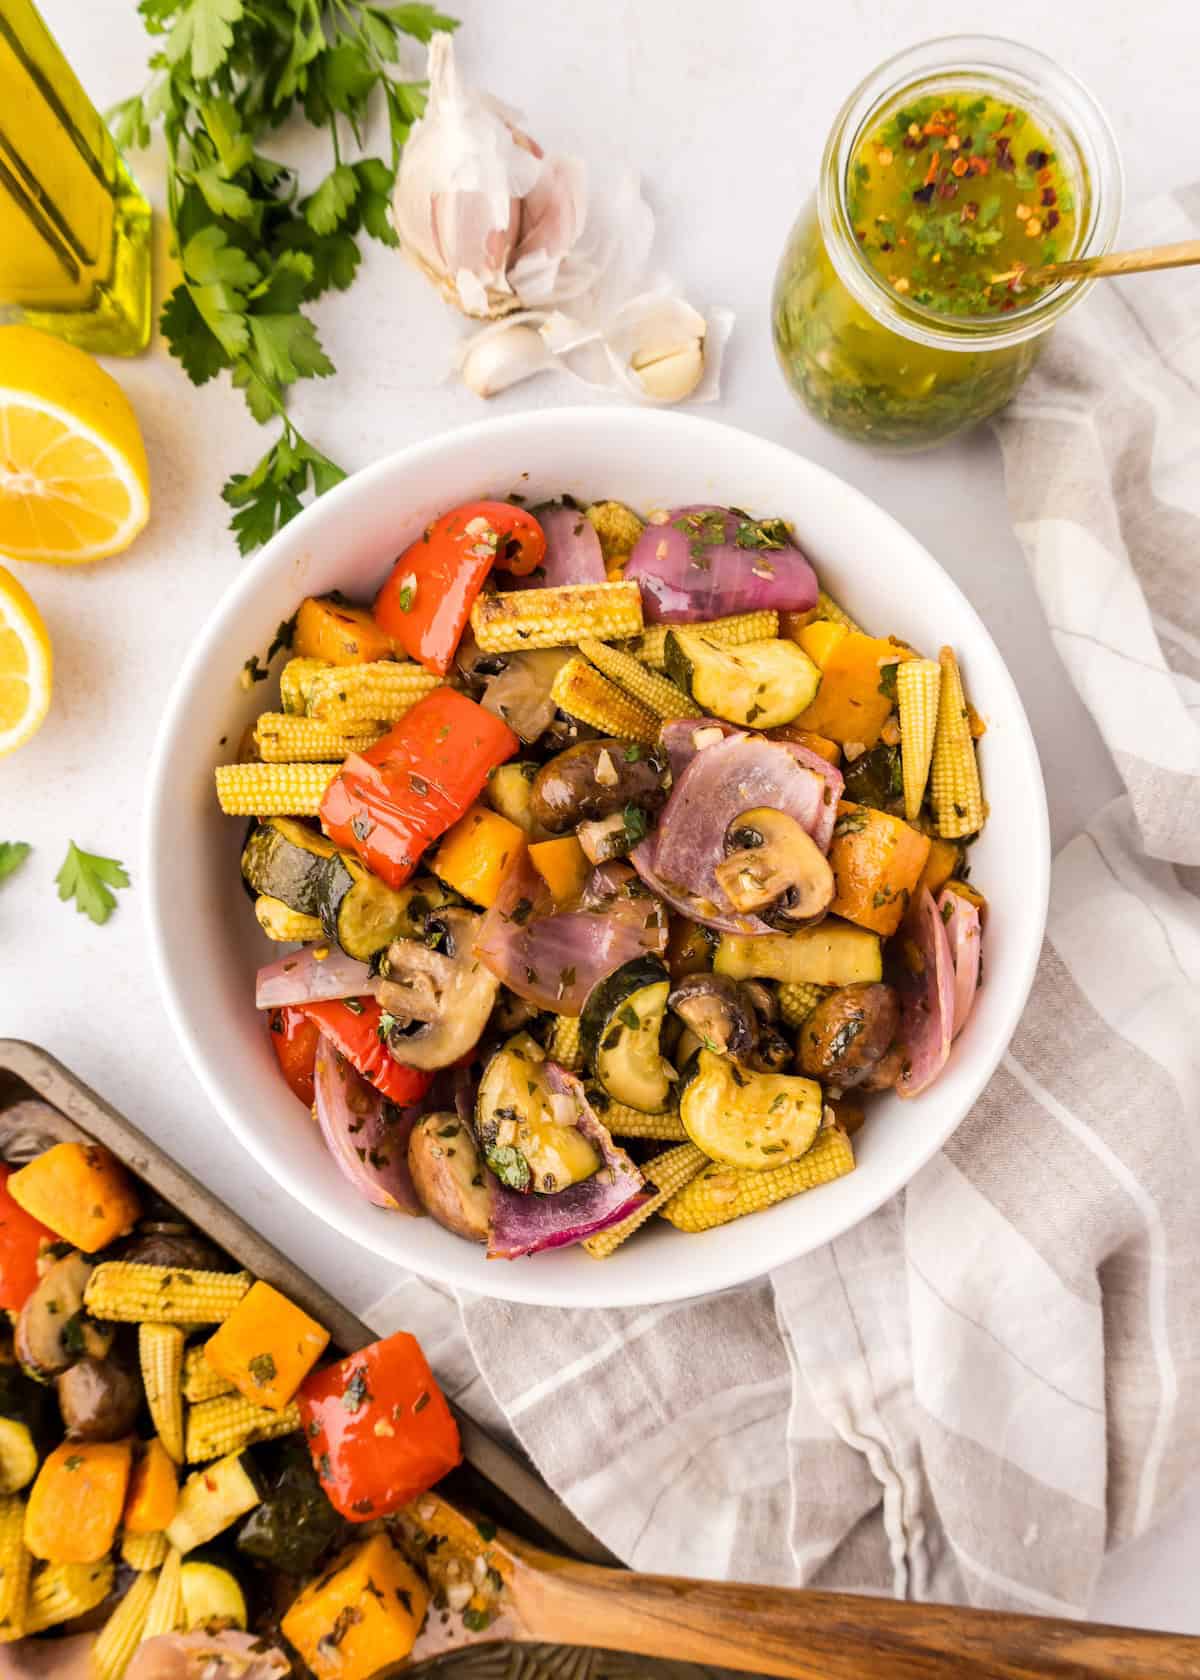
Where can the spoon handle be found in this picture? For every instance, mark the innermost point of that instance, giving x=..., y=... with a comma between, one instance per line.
x=1143, y=261
x=825, y=1636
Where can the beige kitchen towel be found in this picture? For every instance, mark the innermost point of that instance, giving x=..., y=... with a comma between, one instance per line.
x=995, y=1378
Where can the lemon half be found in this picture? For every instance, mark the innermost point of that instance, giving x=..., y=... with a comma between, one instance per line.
x=74, y=484
x=25, y=665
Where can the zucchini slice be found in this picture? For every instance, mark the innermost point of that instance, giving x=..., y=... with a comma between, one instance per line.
x=18, y=1455
x=756, y=686
x=363, y=914
x=831, y=954
x=620, y=1028
x=212, y=1597
x=523, y=1141
x=283, y=859
x=212, y=1498
x=744, y=1119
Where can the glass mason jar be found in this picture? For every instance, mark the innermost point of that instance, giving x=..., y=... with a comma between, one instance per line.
x=876, y=366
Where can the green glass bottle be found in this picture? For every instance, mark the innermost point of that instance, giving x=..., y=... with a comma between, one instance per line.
x=74, y=226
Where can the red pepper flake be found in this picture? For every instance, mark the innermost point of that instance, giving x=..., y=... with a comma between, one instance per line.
x=936, y=128
x=970, y=211
x=1049, y=196
x=1004, y=157
x=959, y=166
x=1037, y=159
x=1052, y=219
x=980, y=166
x=931, y=172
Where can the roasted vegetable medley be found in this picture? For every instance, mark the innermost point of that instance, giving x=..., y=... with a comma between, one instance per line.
x=595, y=828
x=183, y=1482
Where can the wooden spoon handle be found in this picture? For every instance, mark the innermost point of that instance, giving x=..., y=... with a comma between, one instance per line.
x=826, y=1636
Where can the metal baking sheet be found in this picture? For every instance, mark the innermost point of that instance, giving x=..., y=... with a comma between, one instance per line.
x=41, y=1097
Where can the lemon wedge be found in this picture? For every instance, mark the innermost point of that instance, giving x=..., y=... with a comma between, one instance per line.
x=74, y=484
x=25, y=665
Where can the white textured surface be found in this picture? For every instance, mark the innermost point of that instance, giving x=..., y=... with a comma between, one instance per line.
x=725, y=110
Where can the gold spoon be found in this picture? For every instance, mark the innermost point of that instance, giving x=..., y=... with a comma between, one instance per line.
x=1144, y=261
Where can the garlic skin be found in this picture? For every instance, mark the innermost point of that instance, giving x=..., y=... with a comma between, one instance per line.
x=557, y=270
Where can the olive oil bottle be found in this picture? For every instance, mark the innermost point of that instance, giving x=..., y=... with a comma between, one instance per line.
x=74, y=227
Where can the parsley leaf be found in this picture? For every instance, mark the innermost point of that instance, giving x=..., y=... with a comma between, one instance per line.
x=254, y=253
x=86, y=877
x=12, y=855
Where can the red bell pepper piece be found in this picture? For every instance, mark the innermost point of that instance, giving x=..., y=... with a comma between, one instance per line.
x=21, y=1239
x=294, y=1039
x=378, y=1427
x=425, y=603
x=352, y=1024
x=415, y=783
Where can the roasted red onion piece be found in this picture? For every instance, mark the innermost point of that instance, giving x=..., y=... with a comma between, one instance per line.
x=554, y=958
x=707, y=562
x=965, y=935
x=201, y=1656
x=925, y=980
x=365, y=1133
x=572, y=546
x=301, y=977
x=678, y=861
x=529, y=1224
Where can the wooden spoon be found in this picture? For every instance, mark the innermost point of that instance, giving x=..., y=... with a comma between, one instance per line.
x=527, y=1596
x=1150, y=257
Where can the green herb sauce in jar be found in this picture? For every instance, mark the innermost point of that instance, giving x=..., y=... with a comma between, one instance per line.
x=900, y=315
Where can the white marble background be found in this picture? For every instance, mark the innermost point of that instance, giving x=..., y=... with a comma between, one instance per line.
x=725, y=108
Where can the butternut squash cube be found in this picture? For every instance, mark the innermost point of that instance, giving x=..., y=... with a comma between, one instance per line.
x=266, y=1347
x=339, y=633
x=362, y=1615
x=876, y=861
x=477, y=853
x=855, y=699
x=563, y=865
x=81, y=1192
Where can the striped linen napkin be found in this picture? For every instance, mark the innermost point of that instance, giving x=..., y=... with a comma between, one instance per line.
x=975, y=1392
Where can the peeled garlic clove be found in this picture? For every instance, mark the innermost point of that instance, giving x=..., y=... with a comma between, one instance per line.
x=669, y=374
x=497, y=358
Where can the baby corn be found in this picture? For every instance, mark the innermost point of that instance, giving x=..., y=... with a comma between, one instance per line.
x=349, y=697
x=668, y=1173
x=618, y=528
x=15, y=1565
x=295, y=683
x=127, y=1293
x=798, y=1000
x=283, y=739
x=124, y=1630
x=721, y=1194
x=565, y=1047
x=200, y=1381
x=160, y=1354
x=734, y=631
x=540, y=618
x=623, y=1121
x=273, y=790
x=954, y=785
x=229, y=1423
x=165, y=1611
x=581, y=691
x=60, y=1591
x=144, y=1551
x=663, y=697
x=918, y=685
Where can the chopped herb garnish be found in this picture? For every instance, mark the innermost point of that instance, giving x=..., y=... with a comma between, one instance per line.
x=262, y=1369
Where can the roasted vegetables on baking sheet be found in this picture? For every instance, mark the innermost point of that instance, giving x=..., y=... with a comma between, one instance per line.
x=179, y=1457
x=609, y=853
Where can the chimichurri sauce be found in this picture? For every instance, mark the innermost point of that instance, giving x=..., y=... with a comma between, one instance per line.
x=952, y=198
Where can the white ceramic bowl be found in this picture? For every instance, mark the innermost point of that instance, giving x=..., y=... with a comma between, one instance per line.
x=207, y=945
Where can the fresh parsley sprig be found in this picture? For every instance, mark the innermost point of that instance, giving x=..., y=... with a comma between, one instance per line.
x=86, y=877
x=254, y=251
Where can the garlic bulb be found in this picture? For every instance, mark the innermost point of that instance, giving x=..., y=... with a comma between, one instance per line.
x=514, y=238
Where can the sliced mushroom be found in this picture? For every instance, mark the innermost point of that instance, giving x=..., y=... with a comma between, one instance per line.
x=443, y=998
x=766, y=1004
x=594, y=779
x=718, y=1011
x=846, y=1039
x=52, y=1331
x=99, y=1400
x=449, y=1177
x=773, y=868
x=178, y=1245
